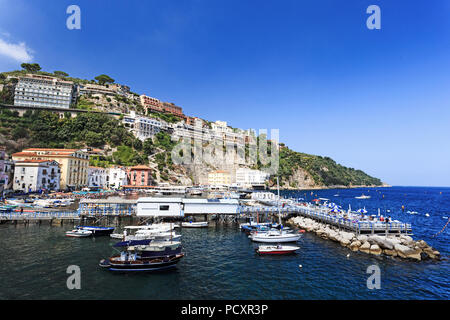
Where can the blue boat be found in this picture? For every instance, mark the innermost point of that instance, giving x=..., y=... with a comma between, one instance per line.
x=98, y=231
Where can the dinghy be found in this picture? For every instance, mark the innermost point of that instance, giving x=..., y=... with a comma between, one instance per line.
x=276, y=250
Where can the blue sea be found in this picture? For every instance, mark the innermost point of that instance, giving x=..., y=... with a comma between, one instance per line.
x=220, y=261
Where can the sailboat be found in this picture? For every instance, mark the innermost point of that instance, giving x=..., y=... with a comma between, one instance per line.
x=275, y=236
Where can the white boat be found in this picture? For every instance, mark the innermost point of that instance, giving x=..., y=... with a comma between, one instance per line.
x=277, y=250
x=275, y=236
x=190, y=224
x=363, y=196
x=79, y=233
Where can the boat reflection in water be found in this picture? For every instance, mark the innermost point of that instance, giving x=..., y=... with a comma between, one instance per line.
x=144, y=255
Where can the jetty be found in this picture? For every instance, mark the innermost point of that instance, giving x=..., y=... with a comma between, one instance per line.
x=53, y=217
x=323, y=215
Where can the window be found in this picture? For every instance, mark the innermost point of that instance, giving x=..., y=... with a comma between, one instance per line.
x=164, y=208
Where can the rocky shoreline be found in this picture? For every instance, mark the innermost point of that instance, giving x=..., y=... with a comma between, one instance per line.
x=401, y=246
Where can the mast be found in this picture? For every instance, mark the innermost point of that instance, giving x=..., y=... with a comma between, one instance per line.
x=278, y=203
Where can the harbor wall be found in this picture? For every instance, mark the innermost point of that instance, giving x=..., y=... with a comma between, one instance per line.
x=401, y=245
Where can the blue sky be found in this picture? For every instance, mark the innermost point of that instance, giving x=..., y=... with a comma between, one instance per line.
x=376, y=100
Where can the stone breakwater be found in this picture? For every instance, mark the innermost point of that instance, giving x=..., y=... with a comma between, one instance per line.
x=401, y=246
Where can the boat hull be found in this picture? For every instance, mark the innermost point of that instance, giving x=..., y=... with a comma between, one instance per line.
x=194, y=224
x=275, y=239
x=98, y=231
x=140, y=265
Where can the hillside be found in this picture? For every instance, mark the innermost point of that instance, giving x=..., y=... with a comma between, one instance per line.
x=120, y=147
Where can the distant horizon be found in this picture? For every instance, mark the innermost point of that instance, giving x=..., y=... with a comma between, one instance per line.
x=373, y=100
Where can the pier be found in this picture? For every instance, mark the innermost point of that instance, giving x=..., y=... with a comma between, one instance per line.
x=52, y=217
x=323, y=216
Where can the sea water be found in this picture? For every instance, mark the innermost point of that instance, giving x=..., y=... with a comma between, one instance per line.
x=221, y=263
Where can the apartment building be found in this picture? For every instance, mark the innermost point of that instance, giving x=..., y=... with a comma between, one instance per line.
x=36, y=175
x=222, y=132
x=139, y=176
x=74, y=164
x=151, y=104
x=43, y=91
x=248, y=178
x=97, y=177
x=143, y=127
x=219, y=178
x=117, y=177
x=6, y=171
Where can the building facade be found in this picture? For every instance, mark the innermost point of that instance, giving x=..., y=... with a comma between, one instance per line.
x=74, y=164
x=151, y=104
x=97, y=177
x=36, y=175
x=117, y=177
x=219, y=178
x=139, y=176
x=143, y=127
x=6, y=172
x=43, y=91
x=248, y=178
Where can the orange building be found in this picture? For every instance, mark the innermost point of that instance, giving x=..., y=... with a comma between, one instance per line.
x=139, y=176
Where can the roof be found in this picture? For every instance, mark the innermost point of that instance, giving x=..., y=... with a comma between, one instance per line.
x=140, y=167
x=34, y=161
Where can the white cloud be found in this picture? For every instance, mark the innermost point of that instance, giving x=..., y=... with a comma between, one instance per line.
x=19, y=52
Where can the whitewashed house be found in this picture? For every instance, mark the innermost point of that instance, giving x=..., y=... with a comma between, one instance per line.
x=116, y=177
x=35, y=175
x=97, y=177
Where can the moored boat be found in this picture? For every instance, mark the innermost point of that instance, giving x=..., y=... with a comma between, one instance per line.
x=190, y=224
x=276, y=250
x=78, y=233
x=97, y=231
x=144, y=256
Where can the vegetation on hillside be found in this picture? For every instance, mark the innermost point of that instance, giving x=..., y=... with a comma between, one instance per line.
x=323, y=170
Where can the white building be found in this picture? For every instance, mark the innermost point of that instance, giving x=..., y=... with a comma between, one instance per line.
x=117, y=177
x=247, y=177
x=43, y=91
x=228, y=135
x=196, y=132
x=97, y=177
x=143, y=127
x=34, y=175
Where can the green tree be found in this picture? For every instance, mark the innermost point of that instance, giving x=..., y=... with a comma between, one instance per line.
x=31, y=67
x=60, y=74
x=103, y=78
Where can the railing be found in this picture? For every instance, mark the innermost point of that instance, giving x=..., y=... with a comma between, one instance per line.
x=322, y=215
x=40, y=215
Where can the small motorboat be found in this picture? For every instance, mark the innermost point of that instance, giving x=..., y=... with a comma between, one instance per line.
x=190, y=224
x=363, y=196
x=278, y=249
x=275, y=236
x=97, y=231
x=79, y=233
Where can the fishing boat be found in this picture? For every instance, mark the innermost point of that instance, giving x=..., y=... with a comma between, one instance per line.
x=276, y=250
x=78, y=233
x=190, y=224
x=363, y=196
x=144, y=256
x=97, y=231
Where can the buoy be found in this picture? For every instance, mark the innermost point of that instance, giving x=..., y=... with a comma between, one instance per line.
x=300, y=266
x=348, y=255
x=427, y=214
